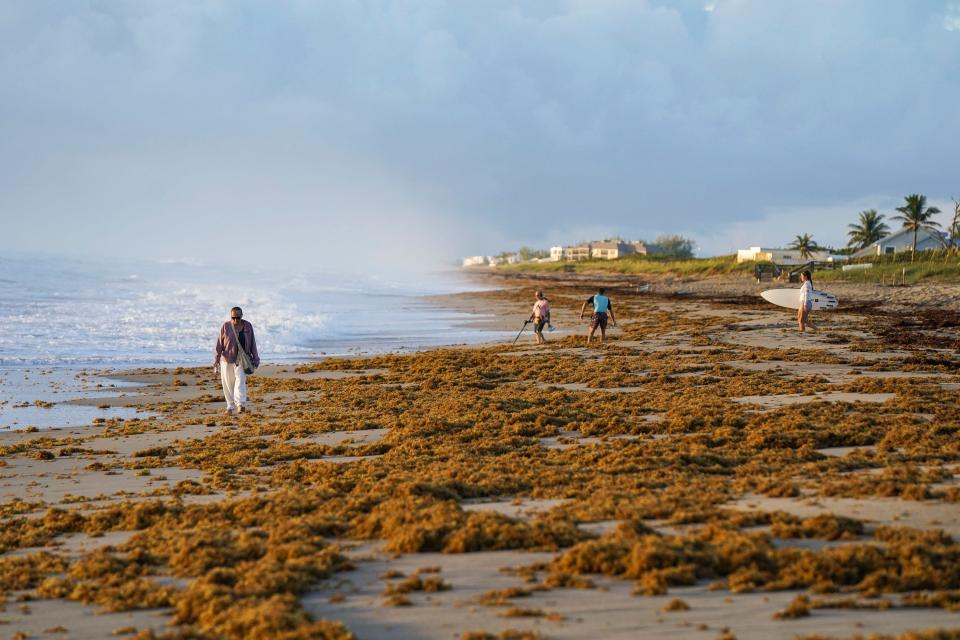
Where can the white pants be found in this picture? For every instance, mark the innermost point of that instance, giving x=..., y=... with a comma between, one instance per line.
x=234, y=380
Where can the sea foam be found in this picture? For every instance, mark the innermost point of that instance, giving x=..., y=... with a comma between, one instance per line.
x=55, y=311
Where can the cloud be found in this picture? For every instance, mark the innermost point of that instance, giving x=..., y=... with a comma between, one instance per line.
x=951, y=19
x=387, y=132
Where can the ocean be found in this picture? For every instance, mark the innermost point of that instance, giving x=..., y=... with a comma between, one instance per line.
x=60, y=317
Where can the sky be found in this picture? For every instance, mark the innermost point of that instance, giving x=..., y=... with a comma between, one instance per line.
x=402, y=134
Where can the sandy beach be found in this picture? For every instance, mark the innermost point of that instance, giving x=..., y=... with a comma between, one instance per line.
x=708, y=472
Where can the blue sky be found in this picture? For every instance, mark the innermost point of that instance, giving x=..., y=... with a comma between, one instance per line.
x=410, y=133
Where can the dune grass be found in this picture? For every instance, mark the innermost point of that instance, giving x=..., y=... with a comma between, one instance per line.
x=652, y=265
x=896, y=273
x=930, y=266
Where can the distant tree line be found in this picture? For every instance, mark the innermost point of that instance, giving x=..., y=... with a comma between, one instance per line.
x=674, y=246
x=526, y=253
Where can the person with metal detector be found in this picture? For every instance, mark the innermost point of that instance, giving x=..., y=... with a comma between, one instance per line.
x=540, y=316
x=525, y=323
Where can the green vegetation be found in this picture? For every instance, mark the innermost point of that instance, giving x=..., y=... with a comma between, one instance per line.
x=931, y=266
x=526, y=253
x=651, y=265
x=674, y=246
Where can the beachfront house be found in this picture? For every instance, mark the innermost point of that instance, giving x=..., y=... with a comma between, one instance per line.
x=601, y=250
x=475, y=261
x=502, y=259
x=781, y=256
x=577, y=252
x=611, y=249
x=903, y=241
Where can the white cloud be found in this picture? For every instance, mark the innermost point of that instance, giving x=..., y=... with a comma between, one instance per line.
x=951, y=19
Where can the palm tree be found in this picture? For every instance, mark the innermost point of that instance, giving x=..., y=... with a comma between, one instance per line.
x=804, y=244
x=870, y=229
x=916, y=215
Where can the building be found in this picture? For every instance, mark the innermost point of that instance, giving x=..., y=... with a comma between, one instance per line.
x=475, y=261
x=781, y=256
x=503, y=259
x=903, y=241
x=600, y=250
x=611, y=250
x=578, y=252
x=762, y=254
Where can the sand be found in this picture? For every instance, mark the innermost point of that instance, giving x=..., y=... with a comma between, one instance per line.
x=849, y=368
x=875, y=511
x=607, y=612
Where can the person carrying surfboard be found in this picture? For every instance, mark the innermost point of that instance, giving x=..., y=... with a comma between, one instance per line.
x=805, y=302
x=601, y=307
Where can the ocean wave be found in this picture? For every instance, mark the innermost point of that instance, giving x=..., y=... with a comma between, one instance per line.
x=66, y=312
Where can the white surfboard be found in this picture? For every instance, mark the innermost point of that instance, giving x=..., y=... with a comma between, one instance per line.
x=790, y=298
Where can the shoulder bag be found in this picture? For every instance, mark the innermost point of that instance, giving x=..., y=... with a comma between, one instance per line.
x=242, y=354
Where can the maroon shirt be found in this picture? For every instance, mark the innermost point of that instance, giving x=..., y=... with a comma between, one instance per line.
x=228, y=348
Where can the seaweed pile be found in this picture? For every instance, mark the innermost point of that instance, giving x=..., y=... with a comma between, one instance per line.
x=231, y=553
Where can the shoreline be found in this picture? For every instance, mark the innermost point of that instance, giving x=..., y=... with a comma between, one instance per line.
x=705, y=420
x=61, y=375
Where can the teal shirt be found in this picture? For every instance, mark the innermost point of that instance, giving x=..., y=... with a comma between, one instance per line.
x=601, y=304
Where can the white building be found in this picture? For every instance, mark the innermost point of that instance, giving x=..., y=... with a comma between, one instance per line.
x=577, y=252
x=903, y=241
x=556, y=253
x=781, y=256
x=611, y=250
x=502, y=259
x=475, y=261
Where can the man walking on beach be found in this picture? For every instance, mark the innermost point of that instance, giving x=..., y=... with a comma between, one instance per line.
x=235, y=334
x=601, y=308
